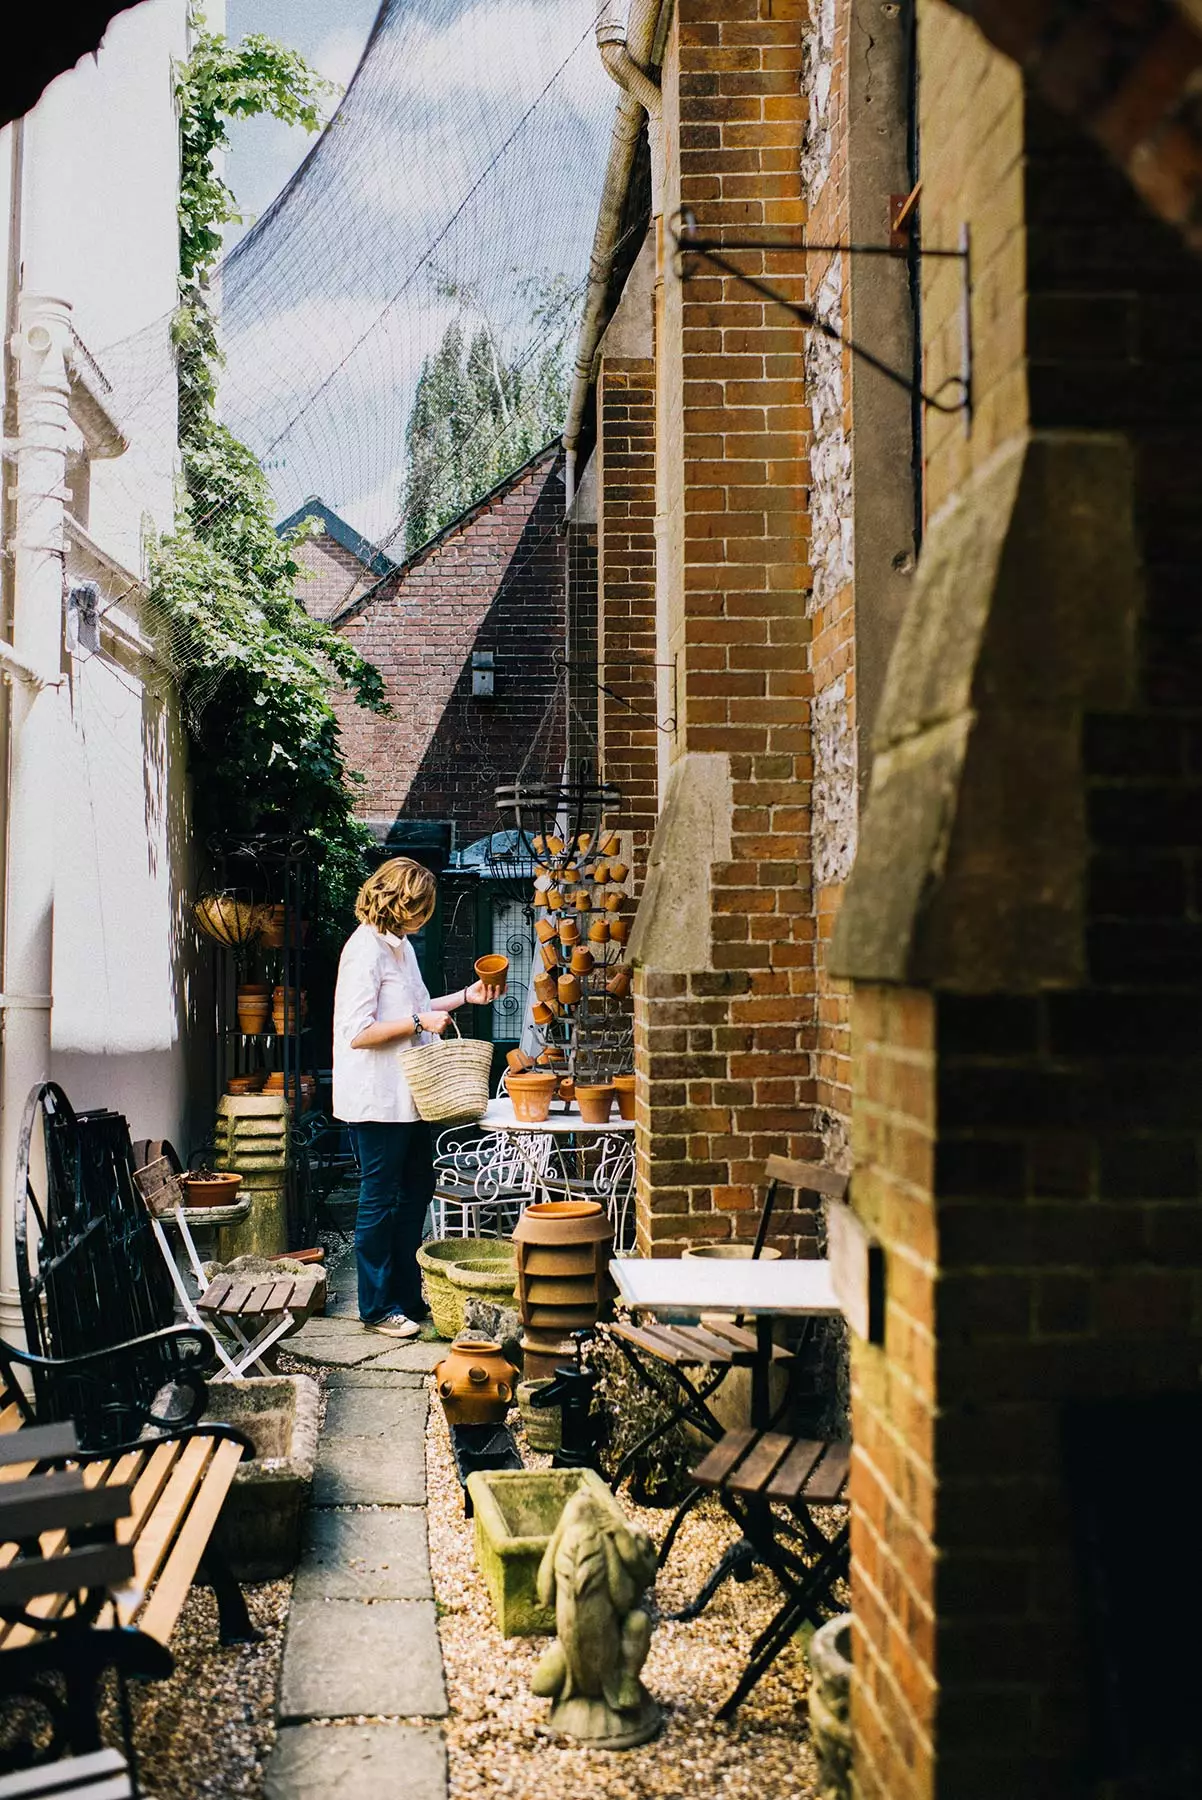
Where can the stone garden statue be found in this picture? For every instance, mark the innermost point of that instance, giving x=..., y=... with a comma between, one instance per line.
x=594, y=1571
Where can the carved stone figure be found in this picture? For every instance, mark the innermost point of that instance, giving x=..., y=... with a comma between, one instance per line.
x=594, y=1572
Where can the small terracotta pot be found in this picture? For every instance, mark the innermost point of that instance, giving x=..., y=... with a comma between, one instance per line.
x=618, y=984
x=517, y=1062
x=551, y=1055
x=569, y=932
x=612, y=844
x=544, y=987
x=598, y=931
x=538, y=844
x=584, y=901
x=210, y=1190
x=551, y=955
x=601, y=874
x=595, y=1100
x=624, y=1089
x=555, y=846
x=245, y=1084
x=272, y=926
x=254, y=1019
x=584, y=842
x=545, y=930
x=613, y=900
x=569, y=875
x=566, y=1090
x=553, y=899
x=582, y=960
x=252, y=990
x=532, y=1095
x=618, y=871
x=542, y=1013
x=619, y=930
x=493, y=971
x=568, y=990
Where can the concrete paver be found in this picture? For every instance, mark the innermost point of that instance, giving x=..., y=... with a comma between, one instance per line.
x=358, y=1762
x=361, y=1471
x=343, y=1659
x=385, y=1413
x=377, y=1555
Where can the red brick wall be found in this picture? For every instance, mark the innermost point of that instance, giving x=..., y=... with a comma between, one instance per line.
x=496, y=583
x=334, y=578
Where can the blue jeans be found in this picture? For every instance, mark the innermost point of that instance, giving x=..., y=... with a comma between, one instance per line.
x=397, y=1168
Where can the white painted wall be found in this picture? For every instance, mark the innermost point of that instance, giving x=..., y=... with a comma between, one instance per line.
x=99, y=230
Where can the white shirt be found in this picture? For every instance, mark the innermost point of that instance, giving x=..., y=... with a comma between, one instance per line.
x=378, y=981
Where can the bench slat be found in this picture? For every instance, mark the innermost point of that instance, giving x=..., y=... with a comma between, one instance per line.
x=739, y=1338
x=171, y=1588
x=650, y=1338
x=37, y=1442
x=710, y=1349
x=793, y=1473
x=281, y=1296
x=93, y=1566
x=760, y=1463
x=51, y=1605
x=163, y=1520
x=102, y=1775
x=830, y=1477
x=61, y=1500
x=237, y=1297
x=258, y=1299
x=717, y=1464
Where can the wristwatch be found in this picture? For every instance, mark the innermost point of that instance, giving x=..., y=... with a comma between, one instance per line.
x=418, y=1027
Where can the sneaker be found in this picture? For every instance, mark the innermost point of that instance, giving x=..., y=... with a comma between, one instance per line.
x=395, y=1325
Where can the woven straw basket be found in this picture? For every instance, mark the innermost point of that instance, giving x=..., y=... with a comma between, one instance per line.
x=449, y=1080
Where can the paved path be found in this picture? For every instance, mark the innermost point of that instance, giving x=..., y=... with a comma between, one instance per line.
x=362, y=1641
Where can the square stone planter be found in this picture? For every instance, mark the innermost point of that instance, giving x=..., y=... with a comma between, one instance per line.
x=516, y=1512
x=260, y=1526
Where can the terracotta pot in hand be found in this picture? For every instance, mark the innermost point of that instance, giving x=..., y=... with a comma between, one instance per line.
x=624, y=1089
x=595, y=1100
x=532, y=1095
x=493, y=971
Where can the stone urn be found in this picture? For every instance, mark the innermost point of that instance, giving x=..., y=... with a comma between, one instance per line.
x=563, y=1251
x=475, y=1382
x=830, y=1699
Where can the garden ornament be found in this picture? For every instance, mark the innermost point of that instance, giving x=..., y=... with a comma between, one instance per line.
x=594, y=1572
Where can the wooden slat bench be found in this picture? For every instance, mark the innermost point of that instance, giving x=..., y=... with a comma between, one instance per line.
x=97, y=1555
x=104, y=1775
x=750, y=1471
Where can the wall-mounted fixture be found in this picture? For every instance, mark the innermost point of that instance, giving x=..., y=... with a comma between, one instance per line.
x=482, y=674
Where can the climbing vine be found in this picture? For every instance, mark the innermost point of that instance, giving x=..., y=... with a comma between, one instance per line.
x=256, y=671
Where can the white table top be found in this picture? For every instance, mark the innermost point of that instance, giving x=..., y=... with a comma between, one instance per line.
x=689, y=1285
x=499, y=1116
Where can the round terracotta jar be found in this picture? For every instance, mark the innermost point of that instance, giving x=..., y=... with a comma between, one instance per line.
x=624, y=1089
x=476, y=1383
x=595, y=1100
x=532, y=1095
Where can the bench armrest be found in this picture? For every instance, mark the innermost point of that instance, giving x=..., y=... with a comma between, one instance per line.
x=181, y=1352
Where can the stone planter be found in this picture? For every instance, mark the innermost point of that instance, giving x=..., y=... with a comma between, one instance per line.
x=516, y=1512
x=543, y=1424
x=830, y=1698
x=259, y=1529
x=435, y=1258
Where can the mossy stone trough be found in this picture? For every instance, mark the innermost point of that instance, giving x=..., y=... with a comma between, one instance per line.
x=260, y=1524
x=516, y=1510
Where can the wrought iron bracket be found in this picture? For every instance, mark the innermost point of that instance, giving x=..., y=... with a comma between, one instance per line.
x=951, y=396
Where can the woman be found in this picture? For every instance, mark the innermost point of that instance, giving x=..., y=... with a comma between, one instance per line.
x=381, y=1004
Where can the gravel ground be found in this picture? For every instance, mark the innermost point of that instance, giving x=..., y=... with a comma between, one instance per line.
x=494, y=1741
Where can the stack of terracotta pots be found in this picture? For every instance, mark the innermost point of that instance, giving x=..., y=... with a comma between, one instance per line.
x=284, y=1007
x=563, y=1251
x=253, y=1003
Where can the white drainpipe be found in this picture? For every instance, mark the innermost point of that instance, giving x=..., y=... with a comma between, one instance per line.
x=33, y=661
x=625, y=51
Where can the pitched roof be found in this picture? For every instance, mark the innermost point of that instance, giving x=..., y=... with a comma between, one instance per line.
x=360, y=547
x=549, y=452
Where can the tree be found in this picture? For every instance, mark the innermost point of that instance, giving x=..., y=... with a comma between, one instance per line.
x=477, y=417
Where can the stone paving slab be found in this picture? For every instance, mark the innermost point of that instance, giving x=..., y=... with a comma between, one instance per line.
x=370, y=1375
x=358, y=1471
x=389, y=1414
x=343, y=1659
x=421, y=1355
x=365, y=1556
x=358, y=1762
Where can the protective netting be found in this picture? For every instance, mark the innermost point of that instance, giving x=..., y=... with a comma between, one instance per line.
x=456, y=186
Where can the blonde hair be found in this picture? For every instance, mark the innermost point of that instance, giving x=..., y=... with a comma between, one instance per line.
x=398, y=898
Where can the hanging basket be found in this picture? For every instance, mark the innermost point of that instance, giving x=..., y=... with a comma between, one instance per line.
x=449, y=1081
x=228, y=920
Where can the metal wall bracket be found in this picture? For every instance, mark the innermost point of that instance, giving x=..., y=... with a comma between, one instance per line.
x=951, y=396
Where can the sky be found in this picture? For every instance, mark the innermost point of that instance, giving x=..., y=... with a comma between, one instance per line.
x=461, y=177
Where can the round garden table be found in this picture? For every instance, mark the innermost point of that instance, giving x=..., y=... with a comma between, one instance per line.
x=542, y=1151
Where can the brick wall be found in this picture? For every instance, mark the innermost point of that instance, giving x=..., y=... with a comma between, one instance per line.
x=626, y=581
x=495, y=583
x=334, y=577
x=1027, y=1153
x=725, y=1052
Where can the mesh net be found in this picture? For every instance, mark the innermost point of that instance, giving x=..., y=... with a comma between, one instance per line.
x=456, y=185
